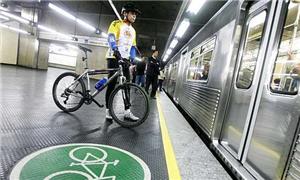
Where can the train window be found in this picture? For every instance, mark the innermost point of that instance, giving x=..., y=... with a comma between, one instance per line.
x=200, y=61
x=251, y=49
x=167, y=72
x=174, y=71
x=286, y=73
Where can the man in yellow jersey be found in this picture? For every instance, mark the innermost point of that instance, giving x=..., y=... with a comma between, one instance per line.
x=122, y=42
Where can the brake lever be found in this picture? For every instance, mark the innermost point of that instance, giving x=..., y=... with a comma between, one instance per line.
x=122, y=61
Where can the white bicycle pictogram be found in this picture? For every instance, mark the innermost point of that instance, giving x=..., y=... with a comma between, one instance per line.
x=90, y=175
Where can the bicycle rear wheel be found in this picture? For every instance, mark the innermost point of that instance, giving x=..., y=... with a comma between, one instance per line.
x=129, y=98
x=67, y=93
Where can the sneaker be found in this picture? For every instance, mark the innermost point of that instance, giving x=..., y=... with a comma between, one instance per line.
x=108, y=116
x=128, y=115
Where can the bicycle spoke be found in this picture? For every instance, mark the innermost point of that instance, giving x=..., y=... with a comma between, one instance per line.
x=129, y=105
x=68, y=94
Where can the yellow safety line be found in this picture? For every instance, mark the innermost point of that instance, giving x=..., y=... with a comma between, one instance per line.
x=173, y=170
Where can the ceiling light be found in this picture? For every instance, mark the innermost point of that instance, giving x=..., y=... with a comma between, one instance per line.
x=165, y=57
x=182, y=28
x=15, y=17
x=195, y=6
x=46, y=28
x=86, y=25
x=3, y=9
x=98, y=31
x=173, y=43
x=4, y=5
x=104, y=35
x=169, y=51
x=14, y=29
x=3, y=17
x=53, y=31
x=61, y=11
x=72, y=46
x=70, y=16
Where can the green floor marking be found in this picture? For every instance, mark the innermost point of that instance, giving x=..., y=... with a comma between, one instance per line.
x=81, y=161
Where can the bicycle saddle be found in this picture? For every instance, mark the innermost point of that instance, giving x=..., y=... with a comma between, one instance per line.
x=84, y=49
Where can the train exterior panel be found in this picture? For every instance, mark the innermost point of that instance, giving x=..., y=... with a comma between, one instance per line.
x=238, y=79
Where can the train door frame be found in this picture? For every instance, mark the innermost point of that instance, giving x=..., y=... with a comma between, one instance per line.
x=254, y=10
x=265, y=97
x=180, y=74
x=169, y=76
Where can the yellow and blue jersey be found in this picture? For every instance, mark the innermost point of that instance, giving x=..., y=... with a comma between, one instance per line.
x=125, y=38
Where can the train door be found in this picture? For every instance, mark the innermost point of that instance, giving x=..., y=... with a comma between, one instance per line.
x=169, y=73
x=179, y=80
x=270, y=140
x=173, y=77
x=254, y=40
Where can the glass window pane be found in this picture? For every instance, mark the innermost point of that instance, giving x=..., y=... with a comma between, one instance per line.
x=174, y=71
x=286, y=73
x=200, y=61
x=251, y=49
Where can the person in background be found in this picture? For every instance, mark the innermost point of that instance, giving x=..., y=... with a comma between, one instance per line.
x=122, y=46
x=205, y=72
x=276, y=84
x=140, y=72
x=152, y=73
x=161, y=78
x=295, y=74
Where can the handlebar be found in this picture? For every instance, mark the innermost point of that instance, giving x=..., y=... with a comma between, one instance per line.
x=124, y=61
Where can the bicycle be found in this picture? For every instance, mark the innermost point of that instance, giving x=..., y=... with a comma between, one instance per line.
x=69, y=96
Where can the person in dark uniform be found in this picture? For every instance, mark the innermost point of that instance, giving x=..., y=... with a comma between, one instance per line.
x=140, y=72
x=152, y=73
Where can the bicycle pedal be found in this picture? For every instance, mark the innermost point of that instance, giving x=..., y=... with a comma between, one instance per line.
x=100, y=105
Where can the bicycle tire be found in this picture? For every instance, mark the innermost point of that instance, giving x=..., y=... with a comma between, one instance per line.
x=54, y=92
x=139, y=93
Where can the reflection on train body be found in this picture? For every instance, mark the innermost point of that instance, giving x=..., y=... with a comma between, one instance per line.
x=238, y=79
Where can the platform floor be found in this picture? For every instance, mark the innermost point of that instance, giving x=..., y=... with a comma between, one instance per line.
x=30, y=121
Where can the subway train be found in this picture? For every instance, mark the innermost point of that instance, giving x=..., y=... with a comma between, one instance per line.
x=238, y=79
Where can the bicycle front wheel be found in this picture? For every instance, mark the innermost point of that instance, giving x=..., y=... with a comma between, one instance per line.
x=129, y=105
x=68, y=93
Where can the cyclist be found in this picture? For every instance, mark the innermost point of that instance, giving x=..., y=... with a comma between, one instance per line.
x=122, y=42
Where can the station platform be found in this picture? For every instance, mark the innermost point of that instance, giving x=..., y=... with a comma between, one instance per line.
x=38, y=141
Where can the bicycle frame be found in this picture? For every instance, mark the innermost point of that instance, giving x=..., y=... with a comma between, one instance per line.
x=87, y=73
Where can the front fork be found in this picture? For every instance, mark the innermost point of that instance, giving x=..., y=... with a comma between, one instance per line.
x=125, y=90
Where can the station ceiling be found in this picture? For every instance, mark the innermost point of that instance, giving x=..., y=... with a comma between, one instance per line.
x=153, y=26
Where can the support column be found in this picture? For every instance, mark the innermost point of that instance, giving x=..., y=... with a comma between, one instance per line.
x=28, y=44
x=43, y=55
x=8, y=46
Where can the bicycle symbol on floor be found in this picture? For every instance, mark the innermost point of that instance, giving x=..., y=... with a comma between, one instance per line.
x=81, y=161
x=88, y=160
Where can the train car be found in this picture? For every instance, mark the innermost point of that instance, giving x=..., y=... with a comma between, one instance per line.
x=238, y=78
